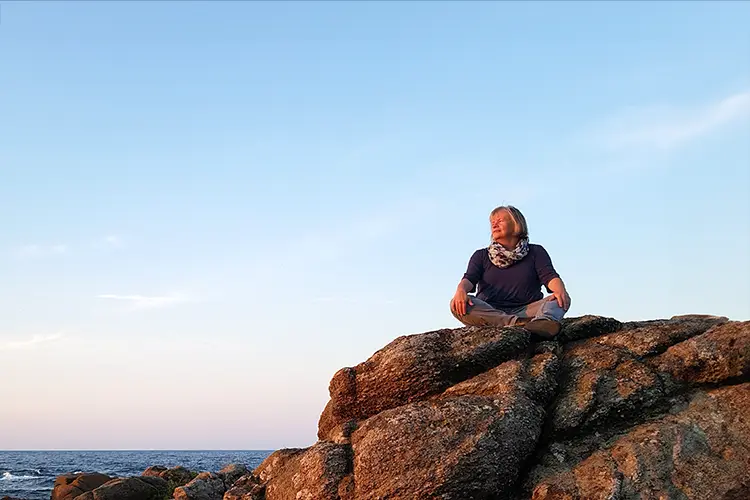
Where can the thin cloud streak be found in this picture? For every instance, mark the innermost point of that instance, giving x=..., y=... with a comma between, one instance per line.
x=113, y=240
x=351, y=300
x=667, y=128
x=146, y=302
x=33, y=342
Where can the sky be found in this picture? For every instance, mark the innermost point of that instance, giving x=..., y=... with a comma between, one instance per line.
x=209, y=208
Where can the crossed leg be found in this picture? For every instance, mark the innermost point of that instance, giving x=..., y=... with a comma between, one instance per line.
x=542, y=317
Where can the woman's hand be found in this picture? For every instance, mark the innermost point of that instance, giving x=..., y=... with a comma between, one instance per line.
x=458, y=303
x=559, y=293
x=562, y=298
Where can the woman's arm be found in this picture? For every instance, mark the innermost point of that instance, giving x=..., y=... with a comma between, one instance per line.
x=557, y=287
x=459, y=300
x=472, y=275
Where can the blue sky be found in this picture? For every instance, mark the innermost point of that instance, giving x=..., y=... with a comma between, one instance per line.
x=209, y=208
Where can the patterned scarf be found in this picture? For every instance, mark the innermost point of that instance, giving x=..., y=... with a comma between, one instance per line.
x=503, y=258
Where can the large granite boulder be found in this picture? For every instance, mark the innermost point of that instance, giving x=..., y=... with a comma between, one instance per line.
x=609, y=409
x=411, y=368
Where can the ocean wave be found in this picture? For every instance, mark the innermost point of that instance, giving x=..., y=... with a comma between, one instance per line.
x=7, y=476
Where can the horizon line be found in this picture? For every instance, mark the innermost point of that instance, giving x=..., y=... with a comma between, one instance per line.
x=140, y=449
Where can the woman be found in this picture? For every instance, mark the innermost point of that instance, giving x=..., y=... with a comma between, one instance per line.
x=509, y=275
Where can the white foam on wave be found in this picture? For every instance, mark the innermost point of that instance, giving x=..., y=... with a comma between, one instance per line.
x=7, y=476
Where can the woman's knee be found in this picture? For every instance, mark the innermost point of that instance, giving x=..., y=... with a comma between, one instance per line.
x=468, y=318
x=552, y=310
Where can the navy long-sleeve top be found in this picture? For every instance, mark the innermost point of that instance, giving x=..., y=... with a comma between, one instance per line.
x=515, y=286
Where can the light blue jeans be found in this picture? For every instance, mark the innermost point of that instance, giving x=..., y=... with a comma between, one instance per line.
x=483, y=314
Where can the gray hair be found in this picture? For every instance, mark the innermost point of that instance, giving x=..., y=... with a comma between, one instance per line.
x=518, y=219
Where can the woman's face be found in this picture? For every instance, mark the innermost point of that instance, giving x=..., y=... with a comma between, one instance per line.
x=501, y=225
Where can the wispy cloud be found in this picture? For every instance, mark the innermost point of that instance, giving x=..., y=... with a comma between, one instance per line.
x=113, y=240
x=351, y=300
x=665, y=128
x=35, y=250
x=147, y=302
x=31, y=343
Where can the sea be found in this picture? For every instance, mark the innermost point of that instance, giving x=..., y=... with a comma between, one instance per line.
x=29, y=475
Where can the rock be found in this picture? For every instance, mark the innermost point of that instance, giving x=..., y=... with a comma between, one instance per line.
x=175, y=477
x=314, y=473
x=205, y=486
x=479, y=443
x=10, y=498
x=587, y=326
x=275, y=462
x=480, y=431
x=178, y=476
x=231, y=473
x=129, y=488
x=699, y=453
x=608, y=409
x=720, y=355
x=154, y=471
x=613, y=378
x=411, y=368
x=69, y=486
x=247, y=487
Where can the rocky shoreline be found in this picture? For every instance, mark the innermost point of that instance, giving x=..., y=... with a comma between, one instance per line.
x=608, y=410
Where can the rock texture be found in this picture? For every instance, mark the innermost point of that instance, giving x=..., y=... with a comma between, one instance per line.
x=411, y=368
x=156, y=483
x=69, y=486
x=205, y=486
x=129, y=488
x=609, y=409
x=176, y=476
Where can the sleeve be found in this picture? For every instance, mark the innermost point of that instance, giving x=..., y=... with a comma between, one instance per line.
x=544, y=268
x=475, y=269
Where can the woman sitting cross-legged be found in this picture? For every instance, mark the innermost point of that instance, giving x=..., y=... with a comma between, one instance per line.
x=508, y=276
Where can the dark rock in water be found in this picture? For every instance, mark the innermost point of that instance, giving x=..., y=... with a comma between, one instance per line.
x=175, y=477
x=129, y=488
x=231, y=473
x=69, y=486
x=154, y=471
x=10, y=498
x=205, y=486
